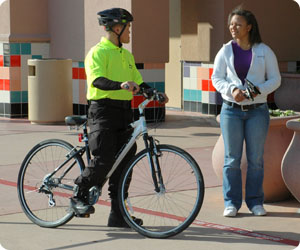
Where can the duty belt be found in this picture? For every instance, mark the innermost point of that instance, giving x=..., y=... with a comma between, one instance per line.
x=123, y=104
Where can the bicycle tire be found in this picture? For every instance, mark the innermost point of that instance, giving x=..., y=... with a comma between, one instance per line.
x=38, y=163
x=163, y=214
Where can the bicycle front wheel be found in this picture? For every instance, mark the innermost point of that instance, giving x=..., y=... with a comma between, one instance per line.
x=171, y=209
x=44, y=197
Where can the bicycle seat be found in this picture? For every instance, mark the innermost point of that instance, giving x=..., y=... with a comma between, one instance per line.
x=75, y=120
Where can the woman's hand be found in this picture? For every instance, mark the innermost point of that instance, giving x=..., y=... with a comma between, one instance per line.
x=238, y=95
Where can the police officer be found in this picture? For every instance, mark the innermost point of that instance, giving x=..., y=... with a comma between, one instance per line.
x=112, y=79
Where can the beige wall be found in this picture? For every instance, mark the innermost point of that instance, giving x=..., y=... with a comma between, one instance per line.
x=93, y=32
x=150, y=31
x=66, y=28
x=279, y=24
x=5, y=21
x=173, y=67
x=204, y=27
x=28, y=21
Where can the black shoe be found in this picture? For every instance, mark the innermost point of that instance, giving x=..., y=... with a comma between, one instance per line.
x=81, y=208
x=116, y=220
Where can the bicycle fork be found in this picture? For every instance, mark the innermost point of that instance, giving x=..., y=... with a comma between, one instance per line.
x=153, y=155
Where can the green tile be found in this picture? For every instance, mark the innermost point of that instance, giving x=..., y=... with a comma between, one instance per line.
x=24, y=96
x=14, y=48
x=15, y=96
x=81, y=64
x=37, y=57
x=25, y=48
x=160, y=86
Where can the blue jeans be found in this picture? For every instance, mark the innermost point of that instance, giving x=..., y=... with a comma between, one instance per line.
x=252, y=127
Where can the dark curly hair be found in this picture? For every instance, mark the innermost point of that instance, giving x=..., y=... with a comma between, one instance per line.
x=254, y=35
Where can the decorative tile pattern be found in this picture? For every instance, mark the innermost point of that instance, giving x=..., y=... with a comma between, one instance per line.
x=14, y=75
x=153, y=74
x=199, y=95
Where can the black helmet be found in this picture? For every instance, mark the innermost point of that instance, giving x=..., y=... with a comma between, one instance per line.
x=111, y=17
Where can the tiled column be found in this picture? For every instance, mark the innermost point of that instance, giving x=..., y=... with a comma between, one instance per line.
x=199, y=95
x=153, y=75
x=14, y=74
x=79, y=89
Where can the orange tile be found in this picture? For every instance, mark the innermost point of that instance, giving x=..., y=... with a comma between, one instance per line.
x=82, y=74
x=1, y=61
x=210, y=86
x=6, y=85
x=15, y=73
x=15, y=61
x=199, y=83
x=137, y=99
x=75, y=73
x=210, y=72
x=205, y=85
x=1, y=84
x=82, y=92
x=15, y=85
x=4, y=72
x=202, y=73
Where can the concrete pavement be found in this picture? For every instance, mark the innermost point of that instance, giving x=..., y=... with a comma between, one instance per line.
x=196, y=134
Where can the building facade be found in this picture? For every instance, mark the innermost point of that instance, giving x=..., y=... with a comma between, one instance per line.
x=174, y=43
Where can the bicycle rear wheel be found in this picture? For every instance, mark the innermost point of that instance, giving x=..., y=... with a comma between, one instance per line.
x=43, y=199
x=172, y=209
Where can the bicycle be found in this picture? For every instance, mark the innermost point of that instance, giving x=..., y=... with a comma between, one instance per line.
x=166, y=187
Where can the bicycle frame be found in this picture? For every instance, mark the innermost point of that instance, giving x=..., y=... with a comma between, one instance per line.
x=140, y=128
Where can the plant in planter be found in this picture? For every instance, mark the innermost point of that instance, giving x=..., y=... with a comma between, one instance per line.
x=278, y=139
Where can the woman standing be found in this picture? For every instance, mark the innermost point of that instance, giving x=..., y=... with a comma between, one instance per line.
x=244, y=117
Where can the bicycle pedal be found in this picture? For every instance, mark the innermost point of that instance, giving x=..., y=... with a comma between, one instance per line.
x=83, y=215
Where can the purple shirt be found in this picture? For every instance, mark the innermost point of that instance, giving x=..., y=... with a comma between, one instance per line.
x=242, y=60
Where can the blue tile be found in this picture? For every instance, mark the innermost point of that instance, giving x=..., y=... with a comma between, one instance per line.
x=14, y=48
x=186, y=94
x=199, y=97
x=81, y=64
x=37, y=57
x=151, y=84
x=160, y=86
x=186, y=72
x=15, y=96
x=25, y=48
x=24, y=96
x=212, y=97
x=193, y=96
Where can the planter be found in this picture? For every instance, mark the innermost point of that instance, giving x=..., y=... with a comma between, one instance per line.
x=290, y=166
x=287, y=95
x=278, y=140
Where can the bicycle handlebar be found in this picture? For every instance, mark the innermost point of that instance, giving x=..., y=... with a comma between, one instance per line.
x=149, y=93
x=152, y=92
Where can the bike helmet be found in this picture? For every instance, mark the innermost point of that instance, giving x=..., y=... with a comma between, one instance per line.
x=111, y=17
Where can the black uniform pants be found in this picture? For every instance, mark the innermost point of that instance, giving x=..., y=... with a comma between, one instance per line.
x=109, y=131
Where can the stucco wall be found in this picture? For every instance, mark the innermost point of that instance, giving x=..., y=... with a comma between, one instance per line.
x=173, y=67
x=150, y=31
x=28, y=21
x=279, y=24
x=204, y=27
x=4, y=20
x=66, y=28
x=93, y=32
